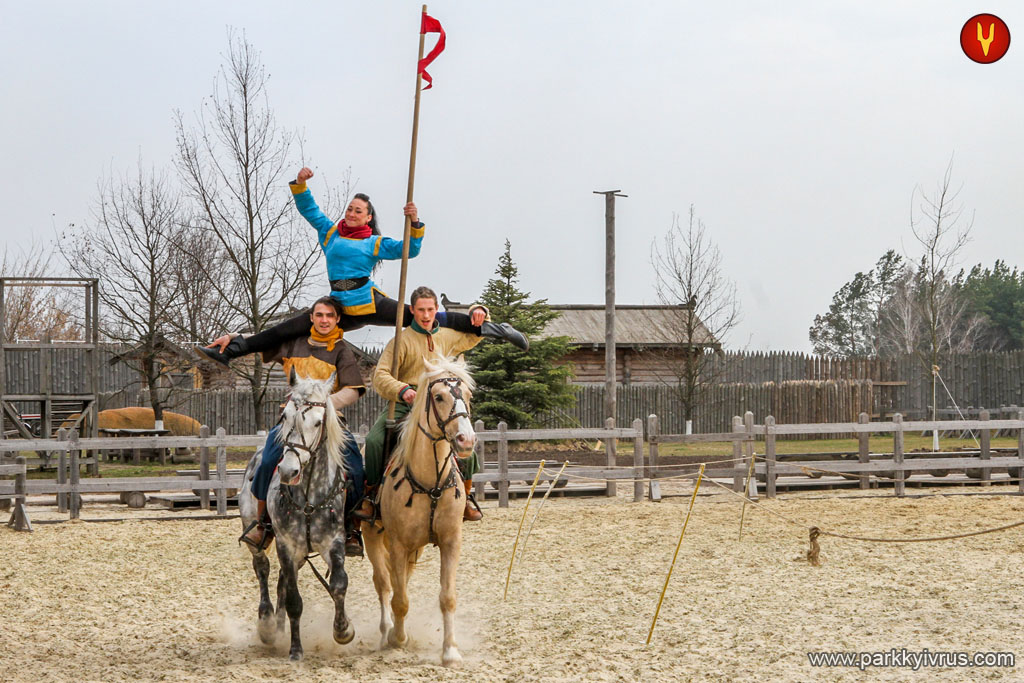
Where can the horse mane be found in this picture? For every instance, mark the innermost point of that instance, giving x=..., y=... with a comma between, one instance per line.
x=314, y=390
x=439, y=366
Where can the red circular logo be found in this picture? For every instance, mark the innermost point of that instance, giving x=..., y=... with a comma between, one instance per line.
x=985, y=38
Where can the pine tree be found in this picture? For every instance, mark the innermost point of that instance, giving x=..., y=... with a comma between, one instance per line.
x=512, y=385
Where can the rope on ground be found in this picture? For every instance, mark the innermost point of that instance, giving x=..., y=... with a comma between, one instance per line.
x=525, y=508
x=657, y=611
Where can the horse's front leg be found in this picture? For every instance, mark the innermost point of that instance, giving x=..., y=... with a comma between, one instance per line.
x=344, y=632
x=398, y=561
x=449, y=565
x=292, y=599
x=261, y=565
x=377, y=554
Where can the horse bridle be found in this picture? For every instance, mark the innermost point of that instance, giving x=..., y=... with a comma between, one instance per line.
x=321, y=434
x=454, y=386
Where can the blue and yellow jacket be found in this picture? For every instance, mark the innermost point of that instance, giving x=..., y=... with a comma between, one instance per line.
x=349, y=258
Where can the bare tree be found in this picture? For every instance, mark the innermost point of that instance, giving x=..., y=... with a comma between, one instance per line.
x=129, y=245
x=940, y=229
x=234, y=162
x=36, y=312
x=689, y=271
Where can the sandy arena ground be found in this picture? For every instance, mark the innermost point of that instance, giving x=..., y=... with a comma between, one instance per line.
x=176, y=600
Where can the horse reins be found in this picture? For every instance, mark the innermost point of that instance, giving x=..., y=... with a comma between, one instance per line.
x=453, y=384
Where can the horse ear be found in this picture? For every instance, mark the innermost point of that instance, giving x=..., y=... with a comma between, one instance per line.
x=291, y=376
x=329, y=382
x=461, y=359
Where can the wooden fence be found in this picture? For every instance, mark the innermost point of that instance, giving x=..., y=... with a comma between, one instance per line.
x=891, y=466
x=744, y=433
x=19, y=519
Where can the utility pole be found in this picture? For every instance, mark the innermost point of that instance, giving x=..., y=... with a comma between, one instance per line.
x=609, y=321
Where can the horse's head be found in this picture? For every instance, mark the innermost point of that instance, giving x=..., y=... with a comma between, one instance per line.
x=447, y=392
x=309, y=423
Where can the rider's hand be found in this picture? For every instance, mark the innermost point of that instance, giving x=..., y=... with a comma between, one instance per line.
x=477, y=316
x=304, y=174
x=221, y=342
x=409, y=396
x=410, y=211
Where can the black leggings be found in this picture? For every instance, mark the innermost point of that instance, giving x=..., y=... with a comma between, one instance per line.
x=299, y=326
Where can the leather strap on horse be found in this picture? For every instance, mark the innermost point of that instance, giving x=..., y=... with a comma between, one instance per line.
x=451, y=481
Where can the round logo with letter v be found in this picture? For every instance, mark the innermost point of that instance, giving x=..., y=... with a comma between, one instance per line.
x=985, y=38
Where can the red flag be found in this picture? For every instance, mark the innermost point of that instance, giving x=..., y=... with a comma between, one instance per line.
x=430, y=25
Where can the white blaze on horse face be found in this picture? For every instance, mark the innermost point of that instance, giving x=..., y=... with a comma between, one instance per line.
x=464, y=436
x=290, y=468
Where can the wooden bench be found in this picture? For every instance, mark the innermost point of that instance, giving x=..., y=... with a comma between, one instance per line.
x=19, y=519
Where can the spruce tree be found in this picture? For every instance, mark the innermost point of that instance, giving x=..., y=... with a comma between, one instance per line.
x=513, y=385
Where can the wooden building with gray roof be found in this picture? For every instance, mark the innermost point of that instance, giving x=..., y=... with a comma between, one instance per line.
x=649, y=340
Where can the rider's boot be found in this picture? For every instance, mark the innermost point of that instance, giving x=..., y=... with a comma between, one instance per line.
x=260, y=534
x=506, y=332
x=235, y=348
x=366, y=510
x=472, y=512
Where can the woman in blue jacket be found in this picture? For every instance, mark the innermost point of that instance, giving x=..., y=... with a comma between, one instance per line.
x=354, y=248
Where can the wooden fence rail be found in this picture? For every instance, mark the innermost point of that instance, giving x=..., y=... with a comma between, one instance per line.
x=19, y=519
x=898, y=468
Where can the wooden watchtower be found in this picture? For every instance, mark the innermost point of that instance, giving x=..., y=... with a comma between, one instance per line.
x=28, y=368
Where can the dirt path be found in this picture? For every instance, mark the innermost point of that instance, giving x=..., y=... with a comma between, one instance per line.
x=143, y=600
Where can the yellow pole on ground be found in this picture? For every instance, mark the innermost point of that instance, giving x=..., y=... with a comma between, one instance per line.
x=540, y=507
x=521, y=521
x=700, y=476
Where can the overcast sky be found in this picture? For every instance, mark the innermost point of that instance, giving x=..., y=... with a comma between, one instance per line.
x=799, y=130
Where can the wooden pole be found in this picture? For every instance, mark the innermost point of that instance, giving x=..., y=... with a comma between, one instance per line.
x=400, y=314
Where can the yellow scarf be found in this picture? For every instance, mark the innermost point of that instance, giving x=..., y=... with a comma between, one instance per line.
x=329, y=339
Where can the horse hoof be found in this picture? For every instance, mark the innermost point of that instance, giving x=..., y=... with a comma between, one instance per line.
x=267, y=630
x=451, y=658
x=393, y=640
x=295, y=656
x=346, y=636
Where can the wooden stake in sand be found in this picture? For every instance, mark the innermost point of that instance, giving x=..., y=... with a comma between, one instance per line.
x=700, y=476
x=540, y=507
x=746, y=496
x=528, y=498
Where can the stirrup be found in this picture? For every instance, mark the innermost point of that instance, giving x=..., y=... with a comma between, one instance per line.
x=471, y=499
x=353, y=543
x=268, y=535
x=374, y=514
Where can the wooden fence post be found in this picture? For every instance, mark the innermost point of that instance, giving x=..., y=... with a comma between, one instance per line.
x=62, y=472
x=737, y=456
x=863, y=450
x=610, y=444
x=1020, y=452
x=481, y=456
x=638, y=460
x=748, y=456
x=222, y=475
x=769, y=456
x=897, y=454
x=986, y=448
x=204, y=467
x=75, y=501
x=654, y=486
x=502, y=464
x=19, y=515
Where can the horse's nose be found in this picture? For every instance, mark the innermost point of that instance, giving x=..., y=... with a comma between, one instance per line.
x=465, y=440
x=288, y=474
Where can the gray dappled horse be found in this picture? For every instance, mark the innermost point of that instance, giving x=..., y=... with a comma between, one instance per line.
x=306, y=503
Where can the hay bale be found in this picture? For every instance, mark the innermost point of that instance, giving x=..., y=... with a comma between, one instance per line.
x=142, y=418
